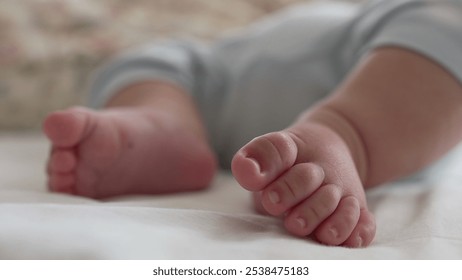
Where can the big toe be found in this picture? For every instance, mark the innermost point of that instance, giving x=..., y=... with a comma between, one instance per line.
x=263, y=159
x=66, y=128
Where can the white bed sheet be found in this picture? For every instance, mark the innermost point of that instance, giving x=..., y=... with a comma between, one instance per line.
x=415, y=220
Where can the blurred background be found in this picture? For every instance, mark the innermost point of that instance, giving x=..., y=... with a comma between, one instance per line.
x=49, y=48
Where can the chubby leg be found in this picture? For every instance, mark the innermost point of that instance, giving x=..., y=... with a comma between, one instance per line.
x=397, y=112
x=149, y=139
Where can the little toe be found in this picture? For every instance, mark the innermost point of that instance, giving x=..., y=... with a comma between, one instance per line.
x=364, y=232
x=61, y=182
x=66, y=128
x=339, y=226
x=62, y=161
x=263, y=159
x=298, y=183
x=256, y=197
x=309, y=214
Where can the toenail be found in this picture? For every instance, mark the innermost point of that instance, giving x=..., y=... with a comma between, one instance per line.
x=274, y=197
x=359, y=241
x=255, y=162
x=301, y=222
x=323, y=173
x=334, y=232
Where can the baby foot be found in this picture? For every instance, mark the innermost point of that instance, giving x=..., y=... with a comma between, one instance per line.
x=307, y=173
x=100, y=154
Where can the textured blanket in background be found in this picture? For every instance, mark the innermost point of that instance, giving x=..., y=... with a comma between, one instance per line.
x=48, y=48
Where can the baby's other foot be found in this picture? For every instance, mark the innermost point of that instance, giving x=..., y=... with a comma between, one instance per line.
x=100, y=154
x=306, y=175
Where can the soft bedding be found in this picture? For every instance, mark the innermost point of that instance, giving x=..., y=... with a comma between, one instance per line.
x=416, y=219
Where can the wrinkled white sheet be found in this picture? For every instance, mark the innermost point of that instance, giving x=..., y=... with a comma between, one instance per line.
x=415, y=220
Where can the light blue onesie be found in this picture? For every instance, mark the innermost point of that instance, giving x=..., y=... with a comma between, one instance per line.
x=260, y=79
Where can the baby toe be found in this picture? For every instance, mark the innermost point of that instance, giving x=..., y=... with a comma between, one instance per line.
x=256, y=197
x=339, y=226
x=263, y=159
x=62, y=161
x=298, y=183
x=61, y=182
x=364, y=232
x=66, y=128
x=310, y=213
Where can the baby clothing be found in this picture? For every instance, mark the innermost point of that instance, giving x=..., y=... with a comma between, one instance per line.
x=260, y=79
